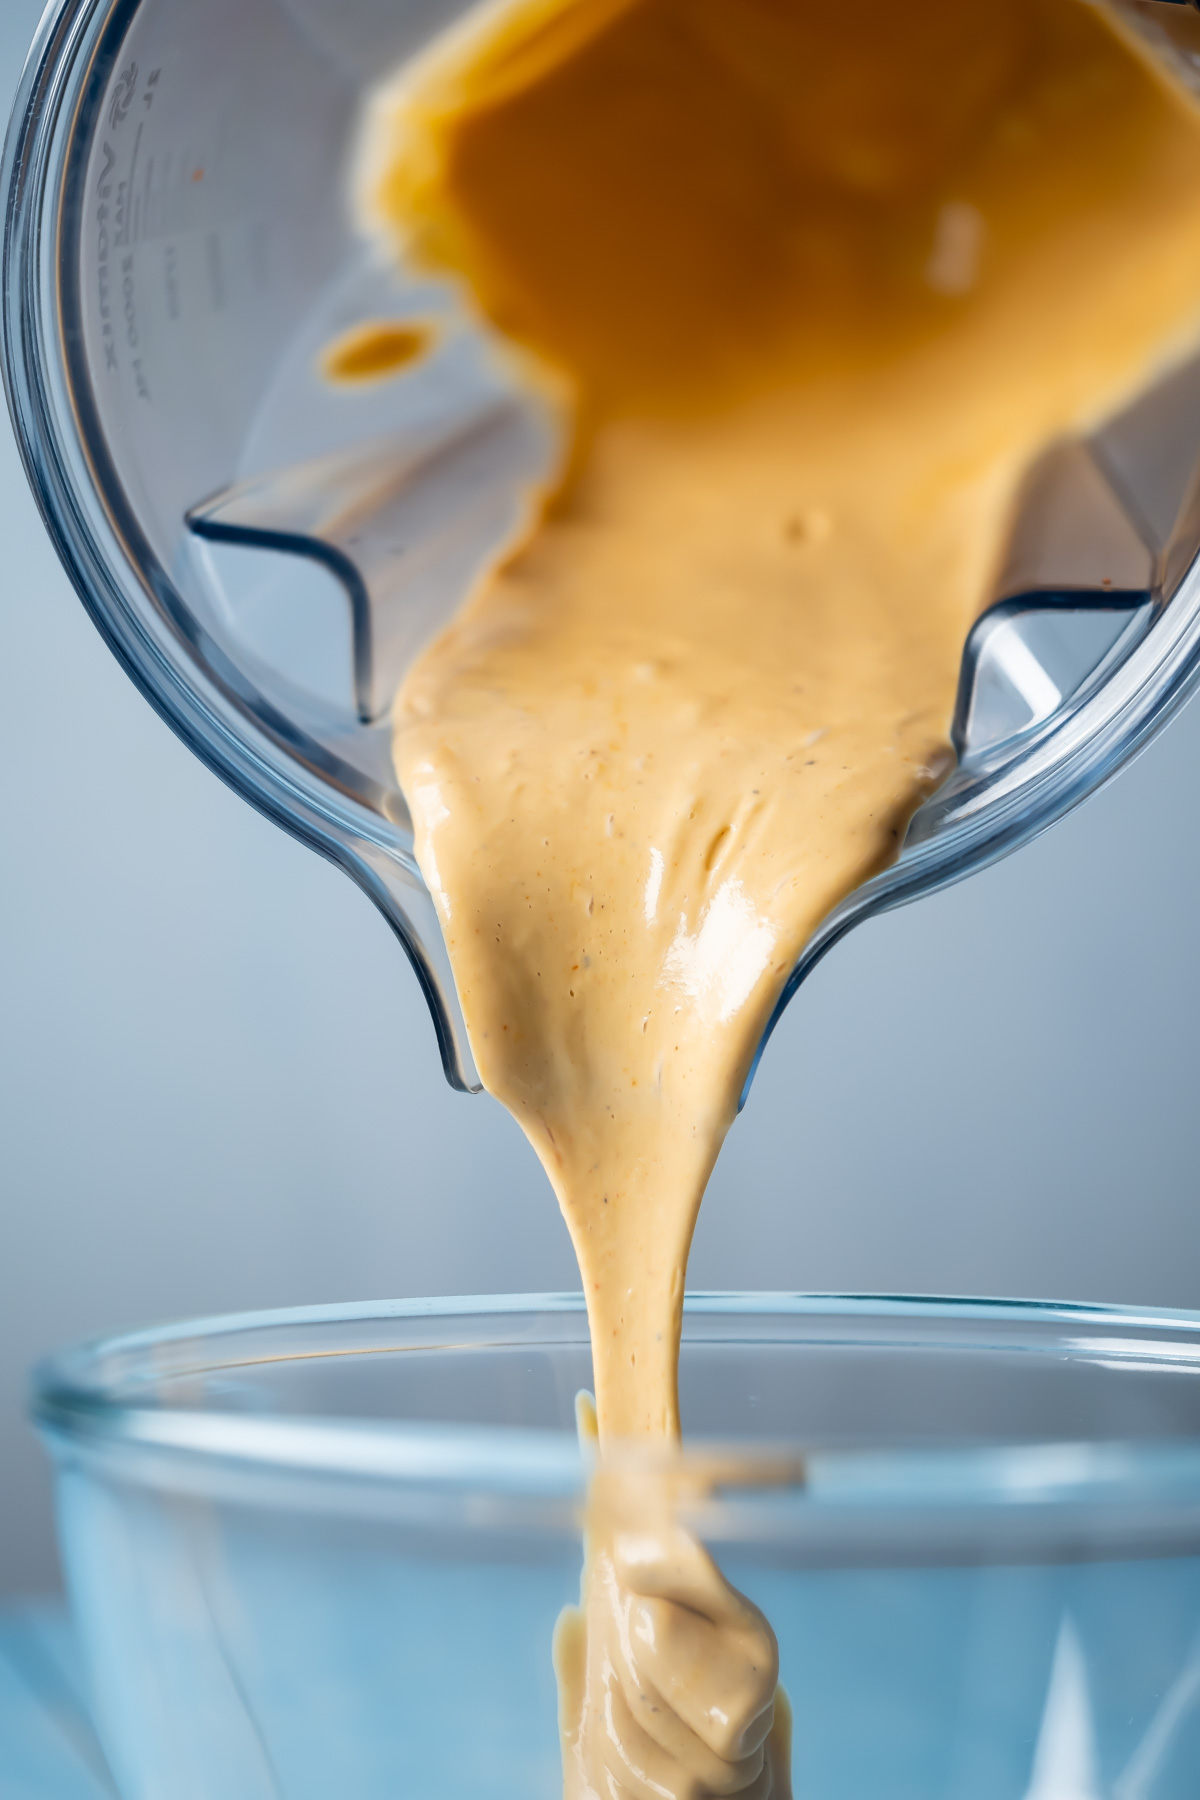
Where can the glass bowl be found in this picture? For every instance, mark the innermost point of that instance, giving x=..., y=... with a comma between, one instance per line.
x=322, y=1552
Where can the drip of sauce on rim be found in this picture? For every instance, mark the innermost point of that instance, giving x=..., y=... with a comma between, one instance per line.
x=820, y=284
x=375, y=351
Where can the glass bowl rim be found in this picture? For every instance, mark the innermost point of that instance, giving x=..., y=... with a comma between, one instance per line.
x=87, y=1393
x=1083, y=1496
x=70, y=1377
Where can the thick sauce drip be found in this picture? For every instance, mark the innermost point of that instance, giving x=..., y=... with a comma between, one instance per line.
x=820, y=282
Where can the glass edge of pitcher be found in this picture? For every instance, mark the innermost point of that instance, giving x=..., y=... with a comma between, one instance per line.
x=116, y=593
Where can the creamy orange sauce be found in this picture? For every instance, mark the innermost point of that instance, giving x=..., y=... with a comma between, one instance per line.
x=818, y=283
x=822, y=282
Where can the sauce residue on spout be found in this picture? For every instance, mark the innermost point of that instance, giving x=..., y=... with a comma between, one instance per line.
x=820, y=283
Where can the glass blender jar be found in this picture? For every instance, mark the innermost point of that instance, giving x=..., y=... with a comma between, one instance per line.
x=266, y=552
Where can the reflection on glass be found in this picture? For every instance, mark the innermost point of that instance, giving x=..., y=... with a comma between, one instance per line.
x=668, y=1677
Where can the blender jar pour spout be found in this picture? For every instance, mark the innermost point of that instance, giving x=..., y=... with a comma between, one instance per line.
x=266, y=552
x=1105, y=528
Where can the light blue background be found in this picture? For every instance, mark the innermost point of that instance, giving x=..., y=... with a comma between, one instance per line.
x=218, y=1086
